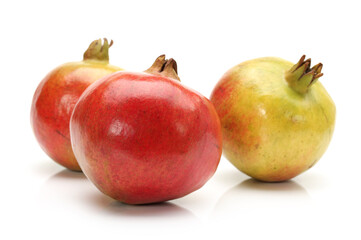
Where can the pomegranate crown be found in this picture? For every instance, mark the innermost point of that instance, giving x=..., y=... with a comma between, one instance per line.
x=301, y=76
x=98, y=51
x=164, y=67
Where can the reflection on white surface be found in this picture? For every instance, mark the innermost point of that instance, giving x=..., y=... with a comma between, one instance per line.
x=253, y=196
x=229, y=205
x=254, y=208
x=75, y=195
x=289, y=187
x=153, y=211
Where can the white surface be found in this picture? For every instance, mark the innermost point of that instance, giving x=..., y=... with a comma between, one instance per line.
x=40, y=200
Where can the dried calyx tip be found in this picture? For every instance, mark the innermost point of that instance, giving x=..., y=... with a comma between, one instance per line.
x=171, y=63
x=98, y=51
x=164, y=67
x=305, y=67
x=301, y=76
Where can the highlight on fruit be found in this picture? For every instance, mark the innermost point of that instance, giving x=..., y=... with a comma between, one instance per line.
x=277, y=118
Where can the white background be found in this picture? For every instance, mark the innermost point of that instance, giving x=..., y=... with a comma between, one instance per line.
x=41, y=200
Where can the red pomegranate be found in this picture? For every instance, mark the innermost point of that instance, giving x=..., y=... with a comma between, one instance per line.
x=144, y=137
x=56, y=96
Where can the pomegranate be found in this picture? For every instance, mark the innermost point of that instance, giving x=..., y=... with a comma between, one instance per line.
x=277, y=119
x=144, y=137
x=56, y=96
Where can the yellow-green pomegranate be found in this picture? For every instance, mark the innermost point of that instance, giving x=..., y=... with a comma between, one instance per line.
x=277, y=118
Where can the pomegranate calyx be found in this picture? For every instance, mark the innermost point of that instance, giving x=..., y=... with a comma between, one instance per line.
x=97, y=51
x=164, y=67
x=301, y=76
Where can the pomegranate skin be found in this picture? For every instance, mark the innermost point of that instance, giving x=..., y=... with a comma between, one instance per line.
x=276, y=124
x=143, y=138
x=53, y=103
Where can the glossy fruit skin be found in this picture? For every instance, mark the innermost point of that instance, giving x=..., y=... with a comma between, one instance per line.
x=53, y=103
x=271, y=132
x=142, y=138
